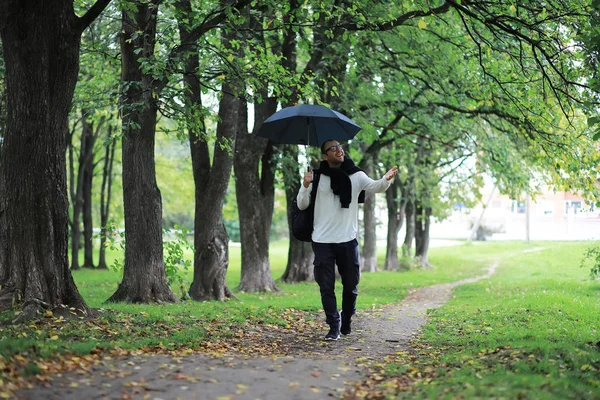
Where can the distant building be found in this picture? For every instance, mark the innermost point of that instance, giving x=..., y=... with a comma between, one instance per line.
x=552, y=216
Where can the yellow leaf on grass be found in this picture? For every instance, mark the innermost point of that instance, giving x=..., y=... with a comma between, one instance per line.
x=422, y=24
x=55, y=337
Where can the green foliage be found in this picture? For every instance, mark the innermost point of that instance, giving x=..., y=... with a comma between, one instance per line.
x=176, y=182
x=592, y=256
x=232, y=226
x=115, y=241
x=176, y=262
x=177, y=249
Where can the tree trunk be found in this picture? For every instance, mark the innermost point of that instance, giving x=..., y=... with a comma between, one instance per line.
x=41, y=51
x=105, y=194
x=2, y=100
x=369, y=250
x=299, y=266
x=76, y=195
x=88, y=175
x=409, y=235
x=396, y=205
x=254, y=183
x=144, y=277
x=211, y=251
x=211, y=256
x=255, y=190
x=422, y=222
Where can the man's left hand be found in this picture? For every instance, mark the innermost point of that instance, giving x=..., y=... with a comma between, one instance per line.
x=391, y=173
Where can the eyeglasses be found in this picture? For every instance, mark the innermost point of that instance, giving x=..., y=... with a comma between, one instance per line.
x=334, y=148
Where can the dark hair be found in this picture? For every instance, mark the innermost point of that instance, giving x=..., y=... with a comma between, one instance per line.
x=323, y=149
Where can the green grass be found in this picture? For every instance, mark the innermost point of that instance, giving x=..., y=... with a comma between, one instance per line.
x=529, y=332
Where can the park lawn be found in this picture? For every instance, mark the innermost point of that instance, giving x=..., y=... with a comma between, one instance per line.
x=532, y=331
x=536, y=317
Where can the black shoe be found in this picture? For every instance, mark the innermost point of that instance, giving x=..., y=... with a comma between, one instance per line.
x=334, y=332
x=346, y=329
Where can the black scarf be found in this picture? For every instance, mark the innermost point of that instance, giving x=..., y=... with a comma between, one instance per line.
x=340, y=180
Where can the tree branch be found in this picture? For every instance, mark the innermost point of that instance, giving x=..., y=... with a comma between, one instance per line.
x=92, y=14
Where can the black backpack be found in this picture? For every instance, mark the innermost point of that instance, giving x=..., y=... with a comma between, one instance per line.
x=302, y=220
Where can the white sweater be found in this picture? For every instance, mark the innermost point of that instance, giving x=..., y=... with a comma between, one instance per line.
x=334, y=224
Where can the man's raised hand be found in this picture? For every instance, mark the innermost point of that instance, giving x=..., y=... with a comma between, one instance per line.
x=391, y=173
x=308, y=178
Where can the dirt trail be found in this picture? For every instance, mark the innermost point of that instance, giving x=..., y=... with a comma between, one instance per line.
x=309, y=368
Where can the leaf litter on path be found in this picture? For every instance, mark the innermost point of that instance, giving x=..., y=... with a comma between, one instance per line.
x=267, y=362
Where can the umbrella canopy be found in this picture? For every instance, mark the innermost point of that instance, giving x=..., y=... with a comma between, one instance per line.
x=309, y=125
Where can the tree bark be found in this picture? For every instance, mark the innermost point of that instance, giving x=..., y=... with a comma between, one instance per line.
x=41, y=51
x=78, y=185
x=369, y=250
x=422, y=223
x=396, y=205
x=409, y=235
x=299, y=267
x=105, y=194
x=255, y=190
x=87, y=181
x=211, y=251
x=76, y=200
x=144, y=276
x=211, y=256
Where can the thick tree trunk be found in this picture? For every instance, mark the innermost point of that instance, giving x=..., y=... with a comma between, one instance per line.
x=211, y=251
x=255, y=189
x=105, y=194
x=144, y=277
x=299, y=267
x=2, y=101
x=211, y=256
x=422, y=223
x=409, y=235
x=396, y=205
x=41, y=52
x=369, y=250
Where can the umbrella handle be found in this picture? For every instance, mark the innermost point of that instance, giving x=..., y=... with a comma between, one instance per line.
x=308, y=143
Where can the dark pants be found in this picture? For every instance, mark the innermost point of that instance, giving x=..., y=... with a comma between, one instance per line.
x=345, y=255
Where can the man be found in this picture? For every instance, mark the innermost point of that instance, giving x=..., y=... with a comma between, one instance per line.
x=335, y=229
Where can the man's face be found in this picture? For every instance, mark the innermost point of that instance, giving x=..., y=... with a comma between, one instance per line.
x=334, y=153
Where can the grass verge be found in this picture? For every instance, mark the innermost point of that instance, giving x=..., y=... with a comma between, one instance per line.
x=529, y=332
x=534, y=322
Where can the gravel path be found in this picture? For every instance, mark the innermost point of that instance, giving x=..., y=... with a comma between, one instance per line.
x=307, y=368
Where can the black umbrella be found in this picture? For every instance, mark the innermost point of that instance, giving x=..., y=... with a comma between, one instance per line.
x=309, y=125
